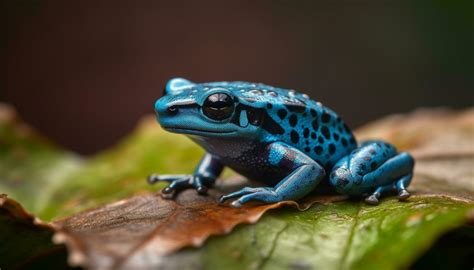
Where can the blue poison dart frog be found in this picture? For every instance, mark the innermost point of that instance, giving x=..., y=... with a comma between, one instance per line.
x=278, y=137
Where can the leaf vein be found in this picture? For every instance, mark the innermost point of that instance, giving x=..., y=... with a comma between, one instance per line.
x=265, y=259
x=351, y=237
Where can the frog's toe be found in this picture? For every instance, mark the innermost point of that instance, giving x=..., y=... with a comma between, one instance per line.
x=167, y=190
x=167, y=193
x=151, y=179
x=221, y=199
x=236, y=204
x=372, y=199
x=403, y=195
x=197, y=183
x=202, y=190
x=243, y=191
x=154, y=178
x=265, y=195
x=176, y=185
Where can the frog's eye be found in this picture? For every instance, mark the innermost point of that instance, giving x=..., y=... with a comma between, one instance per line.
x=218, y=106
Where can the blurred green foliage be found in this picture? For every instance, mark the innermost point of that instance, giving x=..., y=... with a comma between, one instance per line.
x=52, y=183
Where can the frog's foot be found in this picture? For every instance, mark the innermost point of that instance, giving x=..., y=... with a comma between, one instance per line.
x=243, y=192
x=263, y=194
x=401, y=185
x=180, y=182
x=403, y=194
x=373, y=199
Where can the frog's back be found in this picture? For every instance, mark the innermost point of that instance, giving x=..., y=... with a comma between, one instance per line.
x=300, y=122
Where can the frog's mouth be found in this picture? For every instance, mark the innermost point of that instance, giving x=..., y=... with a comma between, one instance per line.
x=195, y=131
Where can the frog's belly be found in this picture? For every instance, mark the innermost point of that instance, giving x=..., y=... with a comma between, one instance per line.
x=248, y=158
x=259, y=170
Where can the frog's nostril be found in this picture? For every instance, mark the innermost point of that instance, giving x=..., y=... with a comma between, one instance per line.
x=172, y=109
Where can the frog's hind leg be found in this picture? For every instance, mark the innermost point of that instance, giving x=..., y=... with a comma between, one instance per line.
x=397, y=171
x=373, y=169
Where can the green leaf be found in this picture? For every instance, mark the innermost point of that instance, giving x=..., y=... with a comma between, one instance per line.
x=344, y=235
x=31, y=168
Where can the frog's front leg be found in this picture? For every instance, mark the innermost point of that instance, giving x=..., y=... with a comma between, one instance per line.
x=304, y=175
x=206, y=173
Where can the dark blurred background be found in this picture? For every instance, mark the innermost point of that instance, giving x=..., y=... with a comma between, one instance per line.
x=84, y=72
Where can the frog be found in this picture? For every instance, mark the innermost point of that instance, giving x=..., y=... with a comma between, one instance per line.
x=278, y=137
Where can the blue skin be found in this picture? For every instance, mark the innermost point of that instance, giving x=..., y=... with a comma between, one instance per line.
x=278, y=137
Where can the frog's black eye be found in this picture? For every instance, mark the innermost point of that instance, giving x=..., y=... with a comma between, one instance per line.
x=218, y=106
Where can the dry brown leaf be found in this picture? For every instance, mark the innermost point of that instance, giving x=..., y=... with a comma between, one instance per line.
x=16, y=212
x=146, y=227
x=23, y=236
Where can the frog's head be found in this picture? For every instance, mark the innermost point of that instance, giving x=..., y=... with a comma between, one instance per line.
x=209, y=110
